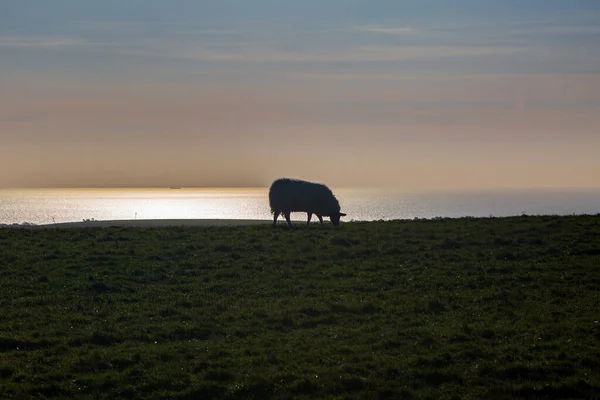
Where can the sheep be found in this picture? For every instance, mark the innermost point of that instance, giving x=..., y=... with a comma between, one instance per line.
x=287, y=195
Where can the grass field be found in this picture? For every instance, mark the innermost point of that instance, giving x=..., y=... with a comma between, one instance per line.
x=438, y=309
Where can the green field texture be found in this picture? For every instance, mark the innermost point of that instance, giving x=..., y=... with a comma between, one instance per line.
x=472, y=308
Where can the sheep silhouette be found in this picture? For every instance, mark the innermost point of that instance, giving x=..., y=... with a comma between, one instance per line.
x=289, y=195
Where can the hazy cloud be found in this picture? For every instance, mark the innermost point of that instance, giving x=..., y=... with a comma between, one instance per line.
x=403, y=30
x=257, y=53
x=41, y=41
x=110, y=25
x=558, y=30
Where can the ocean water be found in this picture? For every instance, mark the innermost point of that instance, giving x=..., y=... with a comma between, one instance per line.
x=47, y=206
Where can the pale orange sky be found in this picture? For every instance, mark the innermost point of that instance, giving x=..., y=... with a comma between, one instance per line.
x=421, y=103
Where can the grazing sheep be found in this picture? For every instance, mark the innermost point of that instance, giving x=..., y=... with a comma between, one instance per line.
x=287, y=195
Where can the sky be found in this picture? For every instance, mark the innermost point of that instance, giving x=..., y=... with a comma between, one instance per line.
x=413, y=94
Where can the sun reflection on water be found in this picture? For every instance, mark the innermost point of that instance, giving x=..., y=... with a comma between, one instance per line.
x=43, y=206
x=47, y=206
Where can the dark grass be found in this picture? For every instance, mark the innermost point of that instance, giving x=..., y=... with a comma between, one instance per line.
x=438, y=309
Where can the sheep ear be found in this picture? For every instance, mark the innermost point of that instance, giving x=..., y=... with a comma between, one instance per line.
x=342, y=215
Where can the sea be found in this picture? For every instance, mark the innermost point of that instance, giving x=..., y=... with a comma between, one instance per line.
x=49, y=206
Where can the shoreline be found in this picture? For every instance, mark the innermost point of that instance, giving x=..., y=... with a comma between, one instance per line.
x=150, y=223
x=146, y=223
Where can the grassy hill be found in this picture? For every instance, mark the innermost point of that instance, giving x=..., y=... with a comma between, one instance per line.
x=438, y=309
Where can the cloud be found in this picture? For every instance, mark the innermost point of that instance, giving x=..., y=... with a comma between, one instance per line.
x=556, y=30
x=40, y=41
x=110, y=25
x=250, y=53
x=402, y=31
x=128, y=28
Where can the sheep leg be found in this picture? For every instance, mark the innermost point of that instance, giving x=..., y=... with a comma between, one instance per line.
x=287, y=218
x=309, y=218
x=275, y=215
x=320, y=218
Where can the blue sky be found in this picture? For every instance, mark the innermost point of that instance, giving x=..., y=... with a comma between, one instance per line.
x=417, y=94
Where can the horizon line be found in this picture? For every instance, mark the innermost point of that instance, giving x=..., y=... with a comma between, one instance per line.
x=364, y=187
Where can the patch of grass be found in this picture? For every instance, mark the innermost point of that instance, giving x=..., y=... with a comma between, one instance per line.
x=441, y=308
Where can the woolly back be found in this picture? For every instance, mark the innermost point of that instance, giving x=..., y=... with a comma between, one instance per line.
x=286, y=194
